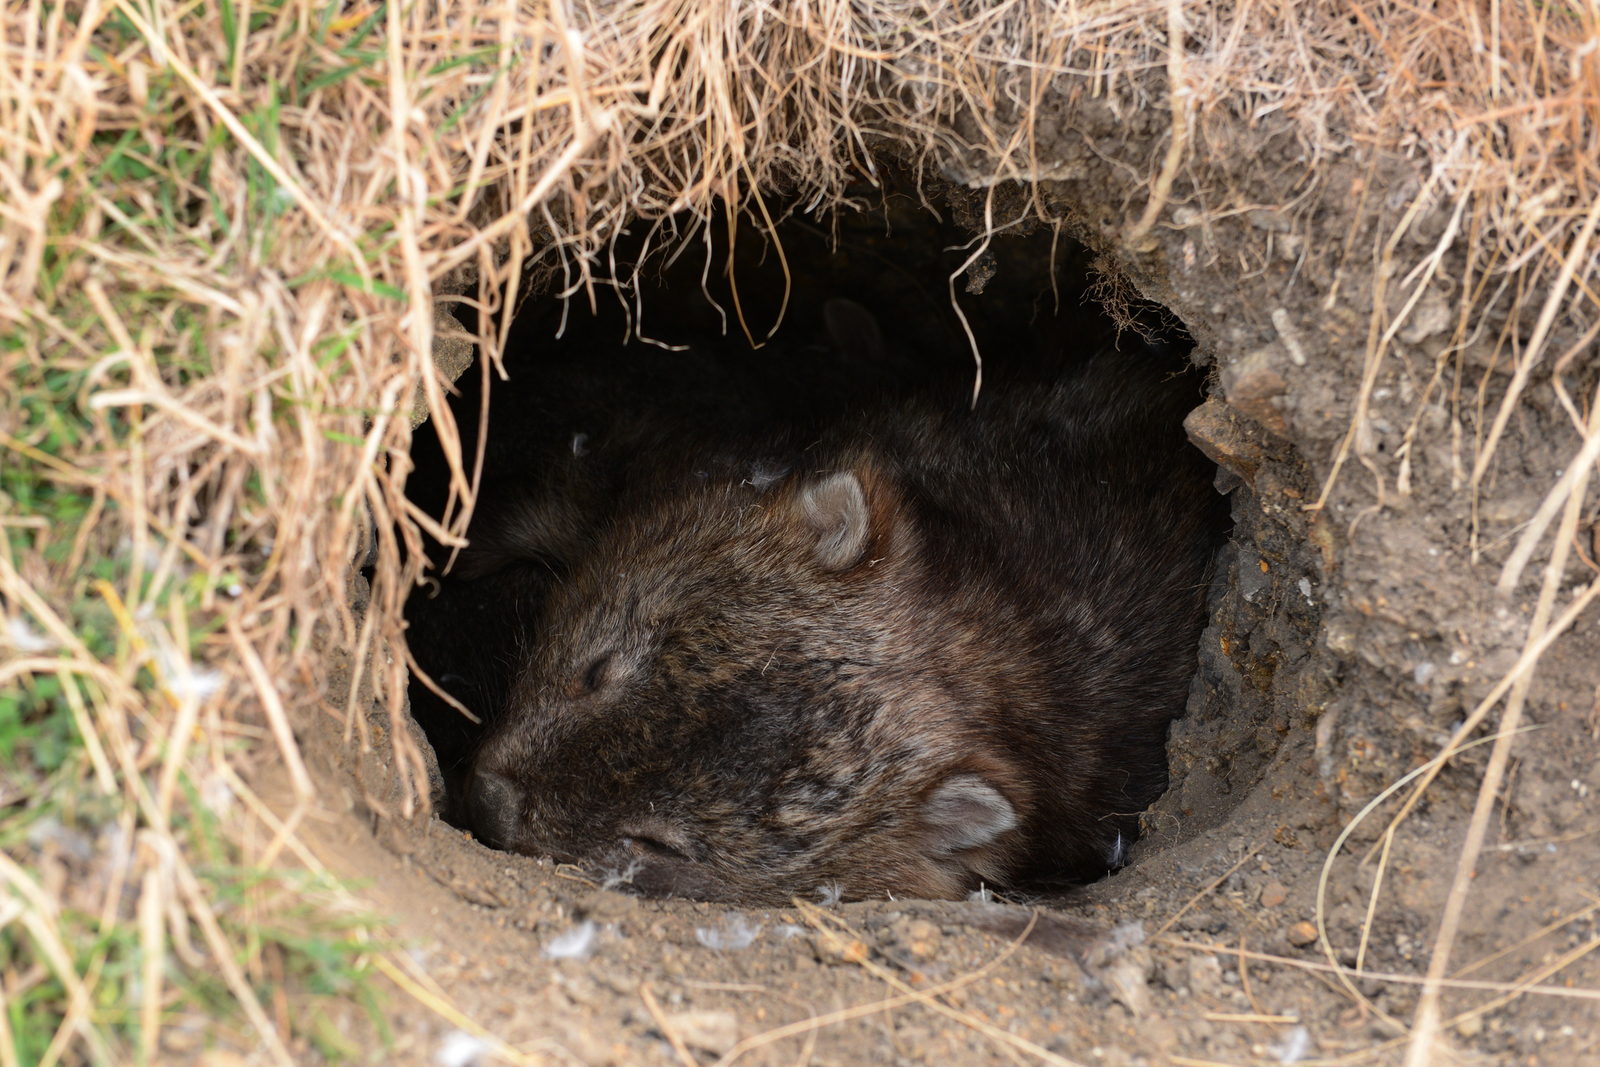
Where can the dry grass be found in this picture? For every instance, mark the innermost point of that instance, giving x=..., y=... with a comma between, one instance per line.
x=223, y=227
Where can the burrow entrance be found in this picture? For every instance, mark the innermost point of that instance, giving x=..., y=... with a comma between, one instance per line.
x=690, y=340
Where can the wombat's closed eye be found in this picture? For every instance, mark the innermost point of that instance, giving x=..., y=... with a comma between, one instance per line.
x=922, y=651
x=594, y=676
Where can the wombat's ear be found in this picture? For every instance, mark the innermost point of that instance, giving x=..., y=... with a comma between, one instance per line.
x=520, y=531
x=966, y=812
x=836, y=509
x=853, y=330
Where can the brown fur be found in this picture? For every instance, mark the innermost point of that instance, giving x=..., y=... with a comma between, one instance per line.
x=925, y=651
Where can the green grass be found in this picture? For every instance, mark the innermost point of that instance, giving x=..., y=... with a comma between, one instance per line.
x=37, y=732
x=294, y=941
x=296, y=944
x=158, y=177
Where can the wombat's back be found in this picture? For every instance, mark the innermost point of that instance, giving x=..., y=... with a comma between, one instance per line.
x=1075, y=530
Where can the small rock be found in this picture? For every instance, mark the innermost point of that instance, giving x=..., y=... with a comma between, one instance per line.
x=1340, y=637
x=1253, y=385
x=982, y=270
x=1254, y=579
x=1128, y=983
x=1471, y=1026
x=1301, y=934
x=1273, y=894
x=1430, y=315
x=831, y=948
x=922, y=939
x=1271, y=220
x=1205, y=975
x=1226, y=438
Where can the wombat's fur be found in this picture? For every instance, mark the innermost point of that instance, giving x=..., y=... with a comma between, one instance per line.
x=918, y=652
x=575, y=421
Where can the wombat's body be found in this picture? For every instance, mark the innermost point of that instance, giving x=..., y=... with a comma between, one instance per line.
x=919, y=652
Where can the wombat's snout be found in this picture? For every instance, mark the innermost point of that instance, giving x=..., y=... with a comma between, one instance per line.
x=495, y=807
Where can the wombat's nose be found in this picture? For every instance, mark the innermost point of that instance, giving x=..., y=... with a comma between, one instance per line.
x=495, y=809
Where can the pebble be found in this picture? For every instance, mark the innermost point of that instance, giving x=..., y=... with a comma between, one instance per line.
x=1302, y=934
x=922, y=939
x=1205, y=975
x=833, y=949
x=1273, y=894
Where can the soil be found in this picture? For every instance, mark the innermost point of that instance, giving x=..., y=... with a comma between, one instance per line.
x=1345, y=644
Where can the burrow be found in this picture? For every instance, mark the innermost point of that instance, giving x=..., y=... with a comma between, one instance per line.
x=1351, y=628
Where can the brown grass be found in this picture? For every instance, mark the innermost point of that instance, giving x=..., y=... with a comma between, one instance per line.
x=220, y=251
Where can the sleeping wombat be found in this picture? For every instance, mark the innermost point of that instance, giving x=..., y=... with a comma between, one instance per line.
x=573, y=423
x=914, y=653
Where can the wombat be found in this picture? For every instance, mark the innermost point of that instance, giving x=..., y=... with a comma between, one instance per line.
x=914, y=653
x=574, y=421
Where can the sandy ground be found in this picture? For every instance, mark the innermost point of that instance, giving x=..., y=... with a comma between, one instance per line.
x=1200, y=951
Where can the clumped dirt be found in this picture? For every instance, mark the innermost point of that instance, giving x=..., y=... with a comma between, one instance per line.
x=1345, y=644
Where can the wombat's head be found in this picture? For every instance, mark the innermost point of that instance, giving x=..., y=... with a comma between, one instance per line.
x=728, y=703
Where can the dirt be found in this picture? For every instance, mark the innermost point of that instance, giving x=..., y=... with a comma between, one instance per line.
x=485, y=925
x=1345, y=644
